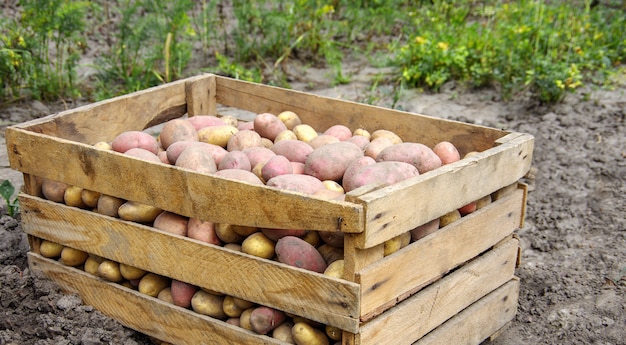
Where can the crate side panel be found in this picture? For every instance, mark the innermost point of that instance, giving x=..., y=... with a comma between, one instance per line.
x=322, y=112
x=102, y=121
x=443, y=299
x=478, y=321
x=175, y=189
x=403, y=206
x=143, y=313
x=432, y=256
x=321, y=298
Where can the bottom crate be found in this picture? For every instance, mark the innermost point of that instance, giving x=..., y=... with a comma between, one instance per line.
x=468, y=304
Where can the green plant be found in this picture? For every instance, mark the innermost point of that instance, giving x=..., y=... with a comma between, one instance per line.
x=16, y=61
x=6, y=191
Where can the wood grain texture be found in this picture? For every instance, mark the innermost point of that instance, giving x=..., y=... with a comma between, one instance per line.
x=316, y=296
x=478, y=321
x=432, y=306
x=200, y=95
x=142, y=313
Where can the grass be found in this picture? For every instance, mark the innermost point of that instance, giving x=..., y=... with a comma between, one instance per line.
x=546, y=48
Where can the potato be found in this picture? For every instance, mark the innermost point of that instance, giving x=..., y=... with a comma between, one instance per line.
x=312, y=237
x=135, y=139
x=91, y=265
x=333, y=185
x=340, y=132
x=245, y=230
x=242, y=303
x=103, y=145
x=482, y=202
x=240, y=175
x=217, y=135
x=386, y=134
x=258, y=154
x=375, y=146
x=419, y=155
x=275, y=166
x=174, y=151
x=235, y=321
x=293, y=150
x=283, y=332
x=109, y=205
x=151, y=284
x=328, y=194
x=277, y=234
x=334, y=239
x=449, y=218
x=230, y=120
x=386, y=173
x=330, y=253
x=49, y=249
x=268, y=125
x=287, y=134
x=264, y=319
x=73, y=197
x=322, y=139
x=110, y=270
x=297, y=167
x=447, y=152
x=53, y=190
x=131, y=272
x=355, y=166
x=226, y=233
x=202, y=230
x=295, y=182
x=182, y=293
x=172, y=223
x=177, y=130
x=333, y=333
x=295, y=251
x=143, y=154
x=305, y=334
x=201, y=121
x=230, y=308
x=166, y=295
x=245, y=126
x=470, y=154
x=138, y=212
x=425, y=229
x=235, y=160
x=391, y=246
x=335, y=269
x=243, y=140
x=208, y=304
x=304, y=132
x=290, y=119
x=329, y=162
x=244, y=319
x=362, y=132
x=467, y=209
x=73, y=257
x=198, y=159
x=259, y=245
x=90, y=197
x=359, y=141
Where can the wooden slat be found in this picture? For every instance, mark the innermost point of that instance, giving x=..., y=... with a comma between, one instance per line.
x=432, y=256
x=394, y=210
x=175, y=189
x=478, y=321
x=313, y=295
x=200, y=95
x=438, y=302
x=142, y=313
x=322, y=112
x=104, y=120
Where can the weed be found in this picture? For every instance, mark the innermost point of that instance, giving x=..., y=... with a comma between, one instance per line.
x=6, y=191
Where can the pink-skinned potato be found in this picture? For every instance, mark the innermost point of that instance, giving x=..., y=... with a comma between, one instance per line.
x=329, y=162
x=143, y=154
x=240, y=175
x=268, y=125
x=296, y=182
x=356, y=165
x=340, y=132
x=202, y=230
x=425, y=229
x=135, y=139
x=243, y=140
x=235, y=160
x=198, y=159
x=258, y=154
x=275, y=166
x=182, y=293
x=172, y=223
x=264, y=319
x=385, y=173
x=53, y=190
x=323, y=139
x=376, y=145
x=201, y=121
x=277, y=234
x=419, y=155
x=217, y=152
x=359, y=141
x=297, y=167
x=245, y=126
x=447, y=152
x=295, y=251
x=293, y=150
x=177, y=130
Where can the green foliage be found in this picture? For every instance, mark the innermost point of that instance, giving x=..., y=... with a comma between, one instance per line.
x=16, y=61
x=6, y=191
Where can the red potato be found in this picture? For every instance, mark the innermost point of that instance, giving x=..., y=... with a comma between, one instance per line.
x=425, y=229
x=172, y=223
x=359, y=141
x=235, y=160
x=467, y=209
x=447, y=152
x=268, y=125
x=296, y=182
x=198, y=159
x=240, y=175
x=323, y=139
x=294, y=150
x=298, y=167
x=217, y=152
x=143, y=155
x=182, y=293
x=202, y=230
x=294, y=251
x=356, y=165
x=375, y=146
x=334, y=239
x=245, y=126
x=265, y=319
x=135, y=139
x=419, y=155
x=243, y=140
x=386, y=173
x=258, y=154
x=177, y=130
x=275, y=166
x=201, y=121
x=340, y=132
x=277, y=234
x=163, y=157
x=329, y=162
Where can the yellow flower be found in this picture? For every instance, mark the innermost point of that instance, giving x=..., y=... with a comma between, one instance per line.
x=443, y=45
x=559, y=84
x=420, y=40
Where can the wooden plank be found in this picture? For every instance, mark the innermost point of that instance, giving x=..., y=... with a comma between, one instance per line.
x=104, y=120
x=396, y=275
x=316, y=296
x=143, y=313
x=478, y=321
x=398, y=208
x=175, y=189
x=432, y=306
x=322, y=112
x=200, y=95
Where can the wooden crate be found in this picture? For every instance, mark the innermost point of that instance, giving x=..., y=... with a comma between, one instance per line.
x=402, y=297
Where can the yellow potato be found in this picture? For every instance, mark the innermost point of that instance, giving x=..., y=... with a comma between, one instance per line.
x=244, y=319
x=166, y=295
x=305, y=132
x=449, y=217
x=333, y=333
x=73, y=257
x=405, y=239
x=334, y=186
x=217, y=135
x=103, y=145
x=138, y=212
x=387, y=134
x=362, y=132
x=482, y=202
x=283, y=332
x=90, y=197
x=151, y=284
x=290, y=119
x=110, y=270
x=49, y=249
x=231, y=309
x=230, y=120
x=304, y=334
x=313, y=237
x=227, y=234
x=242, y=303
x=91, y=265
x=244, y=230
x=259, y=245
x=109, y=205
x=392, y=245
x=131, y=272
x=286, y=135
x=209, y=304
x=335, y=269
x=73, y=197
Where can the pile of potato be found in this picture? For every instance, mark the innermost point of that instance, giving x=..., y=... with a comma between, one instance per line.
x=273, y=150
